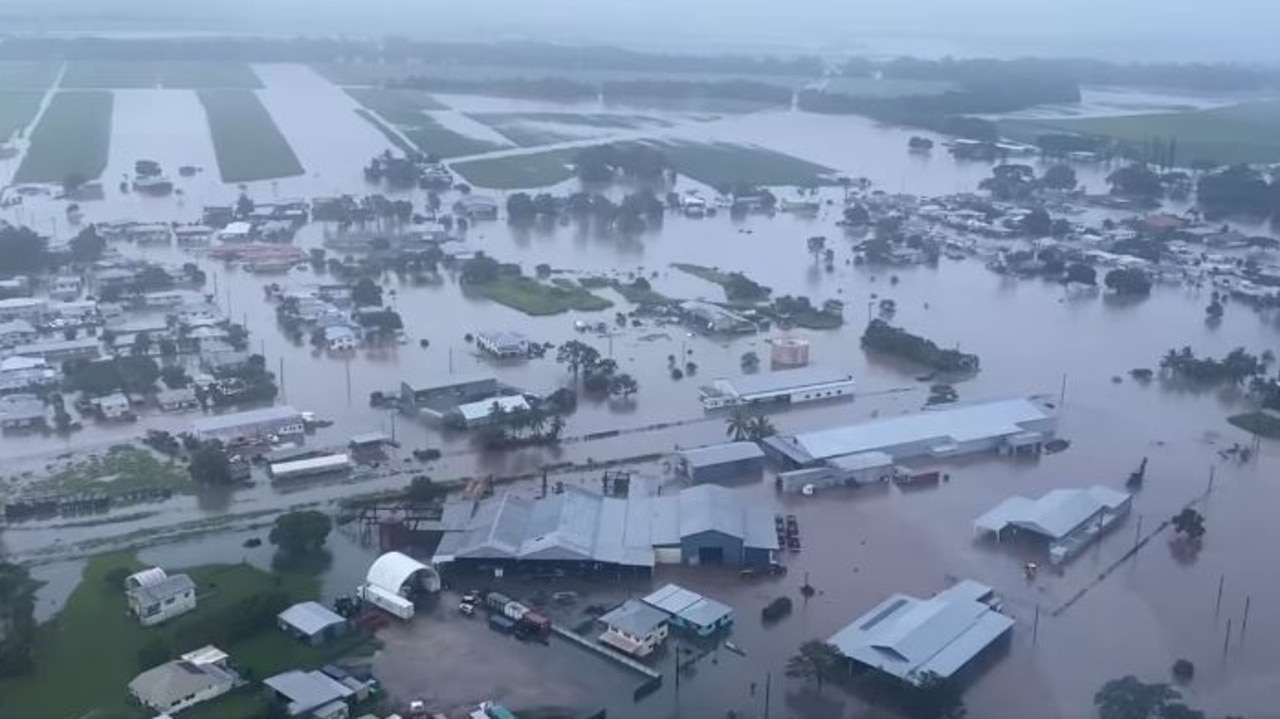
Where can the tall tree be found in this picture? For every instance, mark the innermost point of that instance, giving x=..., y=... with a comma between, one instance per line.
x=816, y=661
x=578, y=356
x=210, y=465
x=301, y=532
x=737, y=426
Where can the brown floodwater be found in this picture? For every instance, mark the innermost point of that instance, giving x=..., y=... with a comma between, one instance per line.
x=859, y=546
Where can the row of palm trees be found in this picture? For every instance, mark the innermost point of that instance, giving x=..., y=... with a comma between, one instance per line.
x=532, y=425
x=742, y=427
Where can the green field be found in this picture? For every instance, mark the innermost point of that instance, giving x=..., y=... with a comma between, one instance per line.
x=1248, y=132
x=886, y=87
x=17, y=109
x=400, y=107
x=434, y=138
x=529, y=129
x=364, y=74
x=87, y=654
x=248, y=143
x=535, y=298
x=28, y=75
x=721, y=164
x=387, y=131
x=109, y=75
x=122, y=468
x=536, y=169
x=72, y=138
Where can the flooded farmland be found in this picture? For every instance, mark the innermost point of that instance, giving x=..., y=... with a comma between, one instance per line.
x=1032, y=336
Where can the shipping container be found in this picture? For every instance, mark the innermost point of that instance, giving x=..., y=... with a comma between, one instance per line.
x=391, y=603
x=515, y=610
x=496, y=601
x=538, y=622
x=500, y=623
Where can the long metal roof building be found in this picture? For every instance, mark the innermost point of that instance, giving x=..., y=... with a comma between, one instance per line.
x=1055, y=515
x=910, y=638
x=934, y=431
x=580, y=525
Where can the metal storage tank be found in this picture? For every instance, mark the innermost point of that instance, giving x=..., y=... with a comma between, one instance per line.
x=790, y=352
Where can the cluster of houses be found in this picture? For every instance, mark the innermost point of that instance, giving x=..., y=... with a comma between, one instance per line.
x=40, y=334
x=638, y=627
x=204, y=674
x=327, y=311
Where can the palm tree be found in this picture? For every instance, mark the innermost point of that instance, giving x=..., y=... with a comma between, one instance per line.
x=737, y=426
x=816, y=660
x=536, y=421
x=557, y=426
x=759, y=427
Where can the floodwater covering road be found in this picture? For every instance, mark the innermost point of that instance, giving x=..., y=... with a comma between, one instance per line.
x=860, y=546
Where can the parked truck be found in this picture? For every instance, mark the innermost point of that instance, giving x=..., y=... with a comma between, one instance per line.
x=501, y=623
x=537, y=623
x=495, y=601
x=515, y=610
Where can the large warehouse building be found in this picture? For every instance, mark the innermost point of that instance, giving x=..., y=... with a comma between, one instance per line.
x=911, y=638
x=581, y=529
x=1012, y=425
x=1068, y=519
x=792, y=386
x=253, y=425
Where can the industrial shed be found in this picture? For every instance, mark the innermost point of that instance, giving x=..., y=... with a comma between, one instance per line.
x=1008, y=426
x=910, y=638
x=401, y=574
x=728, y=462
x=711, y=525
x=579, y=529
x=311, y=622
x=690, y=610
x=253, y=424
x=1069, y=519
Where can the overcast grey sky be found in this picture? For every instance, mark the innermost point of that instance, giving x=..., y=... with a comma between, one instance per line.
x=1125, y=29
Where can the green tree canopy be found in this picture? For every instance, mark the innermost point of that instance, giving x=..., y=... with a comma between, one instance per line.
x=301, y=532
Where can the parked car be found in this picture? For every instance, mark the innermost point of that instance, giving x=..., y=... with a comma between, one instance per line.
x=468, y=609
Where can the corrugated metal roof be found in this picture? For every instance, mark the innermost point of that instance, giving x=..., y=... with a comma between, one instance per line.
x=475, y=411
x=957, y=424
x=218, y=423
x=790, y=379
x=310, y=618
x=1056, y=514
x=635, y=618
x=860, y=461
x=907, y=637
x=714, y=454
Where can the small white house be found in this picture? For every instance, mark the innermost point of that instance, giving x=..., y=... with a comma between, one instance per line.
x=341, y=337
x=155, y=597
x=177, y=400
x=504, y=345
x=114, y=406
x=15, y=333
x=65, y=287
x=193, y=678
x=634, y=628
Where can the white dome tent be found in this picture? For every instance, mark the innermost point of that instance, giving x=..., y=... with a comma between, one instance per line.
x=394, y=580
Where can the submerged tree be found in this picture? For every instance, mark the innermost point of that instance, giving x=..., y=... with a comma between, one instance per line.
x=816, y=661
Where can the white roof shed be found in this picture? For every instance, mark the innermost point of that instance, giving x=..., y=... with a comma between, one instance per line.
x=1055, y=515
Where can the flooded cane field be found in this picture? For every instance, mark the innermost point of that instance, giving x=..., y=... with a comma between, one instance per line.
x=1032, y=336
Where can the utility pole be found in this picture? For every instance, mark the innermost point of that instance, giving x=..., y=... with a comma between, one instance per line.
x=768, y=685
x=1244, y=623
x=1218, y=605
x=1137, y=535
x=1226, y=640
x=1035, y=627
x=1062, y=393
